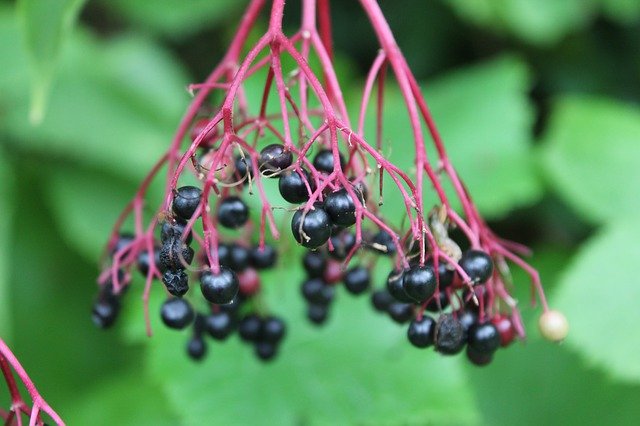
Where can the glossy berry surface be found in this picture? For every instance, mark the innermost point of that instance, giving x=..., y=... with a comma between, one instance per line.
x=312, y=228
x=219, y=325
x=177, y=313
x=400, y=312
x=468, y=319
x=263, y=258
x=196, y=348
x=323, y=161
x=341, y=208
x=505, y=328
x=383, y=244
x=176, y=282
x=420, y=332
x=233, y=212
x=438, y=302
x=314, y=263
x=445, y=273
x=357, y=280
x=186, y=201
x=483, y=338
x=395, y=287
x=274, y=158
x=342, y=243
x=105, y=312
x=477, y=264
x=293, y=186
x=381, y=299
x=419, y=282
x=219, y=288
x=449, y=336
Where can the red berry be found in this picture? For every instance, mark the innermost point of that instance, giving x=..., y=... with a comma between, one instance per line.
x=505, y=328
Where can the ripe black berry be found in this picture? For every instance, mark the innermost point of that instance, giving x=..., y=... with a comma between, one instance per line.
x=478, y=265
x=273, y=330
x=175, y=255
x=233, y=212
x=266, y=351
x=445, y=273
x=274, y=158
x=419, y=282
x=219, y=288
x=250, y=327
x=341, y=208
x=323, y=161
x=124, y=241
x=314, y=263
x=312, y=228
x=186, y=201
x=105, y=312
x=383, y=243
x=467, y=318
x=395, y=287
x=477, y=358
x=316, y=291
x=263, y=258
x=357, y=280
x=400, y=312
x=438, y=302
x=420, y=332
x=381, y=299
x=449, y=335
x=143, y=260
x=238, y=257
x=172, y=231
x=342, y=243
x=219, y=325
x=243, y=166
x=484, y=338
x=196, y=348
x=317, y=314
x=177, y=282
x=293, y=188
x=177, y=313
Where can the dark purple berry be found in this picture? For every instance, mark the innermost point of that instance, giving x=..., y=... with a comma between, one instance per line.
x=186, y=201
x=219, y=325
x=105, y=312
x=420, y=332
x=233, y=212
x=219, y=288
x=312, y=228
x=383, y=243
x=438, y=302
x=143, y=261
x=343, y=243
x=316, y=291
x=263, y=258
x=242, y=167
x=477, y=358
x=250, y=327
x=317, y=314
x=381, y=299
x=341, y=208
x=177, y=313
x=400, y=312
x=419, y=282
x=172, y=231
x=238, y=257
x=274, y=158
x=449, y=335
x=323, y=161
x=293, y=188
x=314, y=263
x=196, y=348
x=478, y=265
x=357, y=280
x=123, y=244
x=266, y=351
x=396, y=288
x=445, y=273
x=177, y=282
x=273, y=330
x=467, y=319
x=483, y=338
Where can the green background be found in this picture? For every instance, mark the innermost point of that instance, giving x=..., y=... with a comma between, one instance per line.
x=538, y=105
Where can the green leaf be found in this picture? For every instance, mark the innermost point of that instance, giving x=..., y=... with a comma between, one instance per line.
x=6, y=207
x=624, y=11
x=599, y=294
x=539, y=22
x=591, y=156
x=176, y=18
x=46, y=25
x=358, y=369
x=485, y=120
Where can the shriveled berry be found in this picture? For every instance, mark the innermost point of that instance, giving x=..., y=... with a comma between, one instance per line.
x=177, y=282
x=273, y=329
x=250, y=327
x=323, y=161
x=263, y=258
x=221, y=287
x=196, y=348
x=477, y=264
x=274, y=158
x=342, y=243
x=314, y=263
x=396, y=288
x=219, y=325
x=381, y=299
x=478, y=358
x=312, y=228
x=341, y=208
x=419, y=282
x=233, y=212
x=172, y=231
x=266, y=351
x=317, y=314
x=175, y=255
x=105, y=312
x=177, y=313
x=383, y=244
x=185, y=201
x=445, y=273
x=293, y=186
x=316, y=291
x=357, y=280
x=238, y=257
x=143, y=261
x=483, y=338
x=438, y=302
x=505, y=328
x=449, y=336
x=400, y=312
x=420, y=332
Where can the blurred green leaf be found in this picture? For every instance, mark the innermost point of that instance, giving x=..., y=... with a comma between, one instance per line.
x=485, y=120
x=356, y=370
x=624, y=11
x=175, y=18
x=6, y=207
x=534, y=21
x=13, y=76
x=591, y=156
x=46, y=25
x=598, y=294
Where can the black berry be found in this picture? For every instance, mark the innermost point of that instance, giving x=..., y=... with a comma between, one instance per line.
x=219, y=325
x=483, y=338
x=243, y=168
x=123, y=244
x=274, y=158
x=263, y=258
x=105, y=312
x=323, y=161
x=449, y=335
x=438, y=302
x=143, y=261
x=342, y=243
x=219, y=288
x=383, y=243
x=314, y=263
x=177, y=313
x=273, y=330
x=400, y=312
x=312, y=228
x=266, y=351
x=196, y=348
x=419, y=282
x=316, y=291
x=381, y=299
x=395, y=287
x=172, y=231
x=420, y=332
x=233, y=212
x=186, y=201
x=317, y=314
x=341, y=208
x=478, y=265
x=177, y=282
x=357, y=280
x=250, y=327
x=238, y=257
x=445, y=273
x=477, y=358
x=293, y=188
